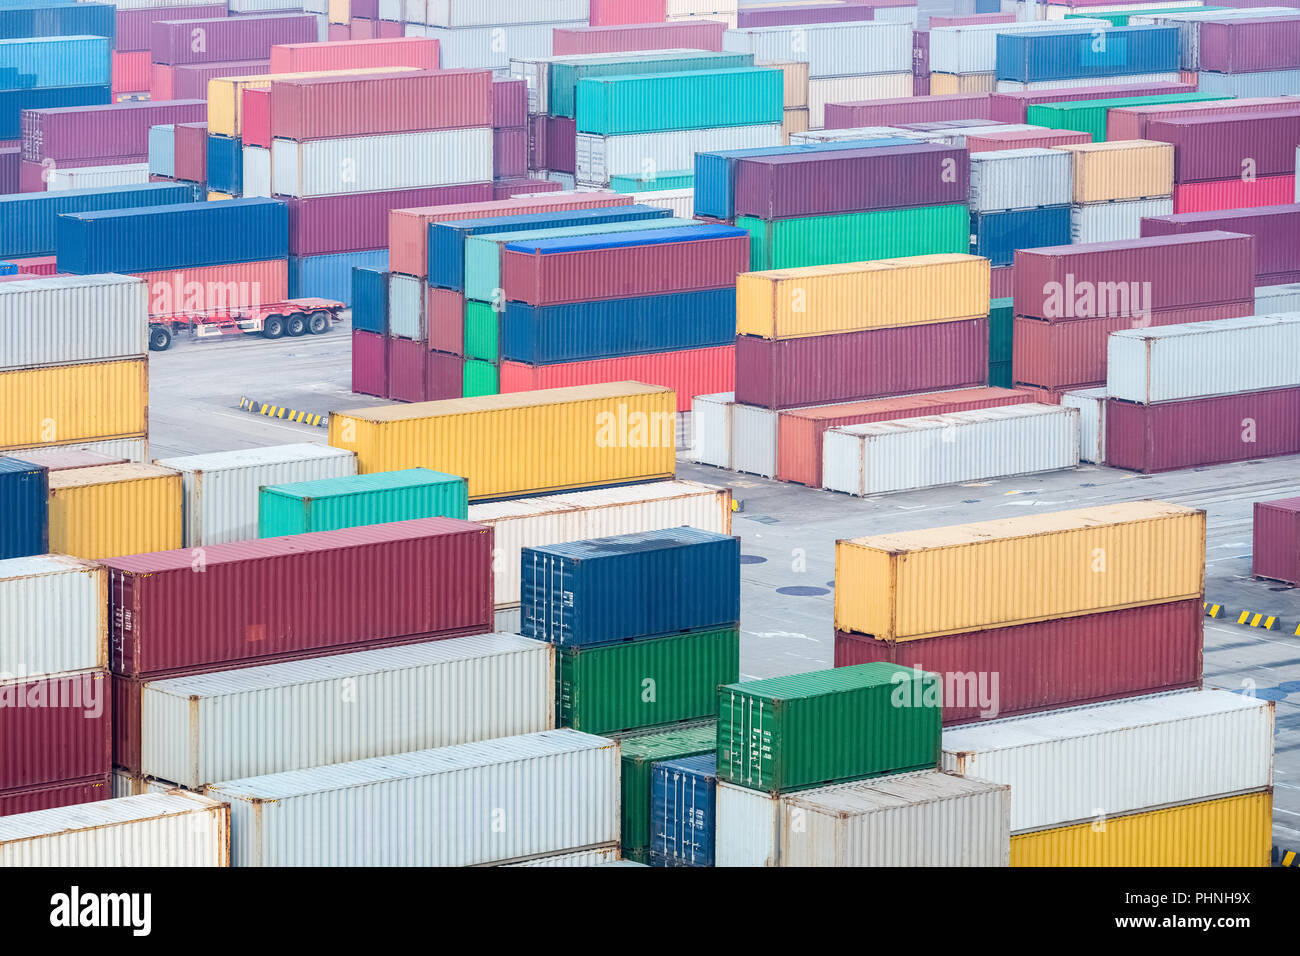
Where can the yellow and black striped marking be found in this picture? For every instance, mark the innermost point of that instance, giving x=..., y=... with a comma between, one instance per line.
x=1267, y=622
x=1285, y=857
x=286, y=414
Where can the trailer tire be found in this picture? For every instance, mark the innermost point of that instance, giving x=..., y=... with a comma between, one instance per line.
x=160, y=338
x=318, y=323
x=273, y=327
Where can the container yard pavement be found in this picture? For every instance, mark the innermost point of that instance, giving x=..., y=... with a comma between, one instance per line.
x=788, y=532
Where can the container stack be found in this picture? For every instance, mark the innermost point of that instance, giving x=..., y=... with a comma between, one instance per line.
x=486, y=34
x=45, y=72
x=132, y=57
x=690, y=34
x=963, y=58
x=1093, y=115
x=1097, y=54
x=1276, y=230
x=1019, y=199
x=1251, y=56
x=329, y=504
x=1115, y=185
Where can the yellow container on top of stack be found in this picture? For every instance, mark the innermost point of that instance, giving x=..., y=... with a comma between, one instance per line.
x=1229, y=831
x=1122, y=169
x=523, y=442
x=882, y=293
x=73, y=403
x=943, y=84
x=918, y=584
x=225, y=93
x=111, y=510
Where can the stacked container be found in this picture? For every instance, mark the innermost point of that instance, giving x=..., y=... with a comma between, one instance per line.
x=963, y=58
x=1074, y=57
x=56, y=71
x=687, y=34
x=329, y=504
x=487, y=35
x=1115, y=185
x=132, y=61
x=1019, y=199
x=642, y=752
x=1093, y=115
x=1276, y=230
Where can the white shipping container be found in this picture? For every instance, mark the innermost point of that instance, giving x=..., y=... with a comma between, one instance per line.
x=127, y=784
x=747, y=829
x=151, y=4
x=1065, y=766
x=253, y=721
x=596, y=856
x=905, y=15
x=711, y=429
x=913, y=453
x=1114, y=221
x=257, y=171
x=155, y=829
x=491, y=801
x=221, y=487
x=130, y=449
x=973, y=47
x=492, y=47
x=1277, y=298
x=686, y=8
x=406, y=307
x=680, y=202
x=1015, y=86
x=753, y=440
x=598, y=513
x=1059, y=11
x=852, y=89
x=358, y=164
x=1171, y=363
x=53, y=615
x=860, y=132
x=390, y=10
x=631, y=154
x=1019, y=179
x=97, y=177
x=829, y=49
x=1189, y=27
x=66, y=320
x=482, y=13
x=268, y=6
x=1270, y=83
x=1091, y=403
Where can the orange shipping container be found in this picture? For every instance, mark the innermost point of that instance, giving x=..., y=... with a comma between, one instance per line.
x=112, y=510
x=1124, y=169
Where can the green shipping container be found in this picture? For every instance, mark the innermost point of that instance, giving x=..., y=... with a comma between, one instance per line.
x=606, y=688
x=1089, y=116
x=1121, y=19
x=564, y=76
x=1001, y=312
x=856, y=236
x=479, y=378
x=806, y=730
x=609, y=106
x=1000, y=374
x=332, y=503
x=641, y=750
x=482, y=324
x=677, y=179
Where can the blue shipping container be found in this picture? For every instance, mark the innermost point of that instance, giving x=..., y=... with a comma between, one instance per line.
x=24, y=508
x=604, y=328
x=330, y=277
x=997, y=235
x=56, y=61
x=162, y=150
x=28, y=221
x=1080, y=54
x=174, y=237
x=14, y=101
x=57, y=20
x=683, y=810
x=607, y=590
x=369, y=300
x=8, y=269
x=446, y=266
x=226, y=165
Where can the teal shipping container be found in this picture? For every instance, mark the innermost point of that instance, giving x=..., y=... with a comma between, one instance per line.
x=564, y=75
x=673, y=101
x=377, y=498
x=856, y=236
x=673, y=179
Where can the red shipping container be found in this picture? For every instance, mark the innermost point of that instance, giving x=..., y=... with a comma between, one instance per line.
x=907, y=109
x=1234, y=194
x=135, y=26
x=445, y=317
x=510, y=153
x=191, y=152
x=418, y=52
x=799, y=432
x=971, y=19
x=335, y=106
x=1013, y=107
x=406, y=370
x=40, y=265
x=190, y=82
x=688, y=372
x=97, y=132
x=321, y=225
x=1025, y=139
x=255, y=108
x=1063, y=283
x=609, y=13
x=207, y=288
x=1002, y=282
x=444, y=375
x=509, y=103
x=1276, y=230
x=1251, y=45
x=131, y=72
x=369, y=364
x=1130, y=122
x=54, y=728
x=1249, y=146
x=362, y=29
x=219, y=40
x=855, y=366
x=1050, y=664
x=1204, y=431
x=59, y=795
x=699, y=34
x=505, y=188
x=1277, y=540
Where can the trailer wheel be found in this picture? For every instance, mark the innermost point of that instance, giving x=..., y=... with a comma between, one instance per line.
x=319, y=323
x=273, y=327
x=296, y=324
x=160, y=338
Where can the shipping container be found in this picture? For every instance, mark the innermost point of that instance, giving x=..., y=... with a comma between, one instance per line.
x=606, y=855
x=73, y=403
x=1114, y=221
x=1128, y=169
x=711, y=429
x=1091, y=403
x=330, y=277
x=692, y=34
x=1191, y=23
x=596, y=159
x=24, y=490
x=1074, y=54
x=557, y=79
x=420, y=53
x=1235, y=193
x=333, y=503
x=1130, y=122
x=225, y=92
x=1220, y=147
x=57, y=458
x=54, y=728
x=1276, y=551
x=223, y=39
x=63, y=794
x=640, y=752
x=1092, y=116
x=683, y=811
x=1266, y=83
x=369, y=364
x=907, y=109
x=972, y=48
x=1019, y=179
x=997, y=236
x=369, y=301
x=28, y=220
x=492, y=47
x=114, y=509
x=1022, y=139
x=1276, y=230
x=190, y=80
x=825, y=90
x=1011, y=107
x=94, y=135
x=117, y=449
x=99, y=177
x=56, y=60
x=829, y=49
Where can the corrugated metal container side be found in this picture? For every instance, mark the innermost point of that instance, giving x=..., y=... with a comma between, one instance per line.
x=28, y=220
x=54, y=728
x=1220, y=147
x=999, y=235
x=752, y=442
x=115, y=509
x=24, y=493
x=156, y=829
x=794, y=14
x=1234, y=194
x=824, y=90
x=596, y=159
x=1249, y=46
x=641, y=750
x=14, y=101
x=421, y=53
x=711, y=425
x=684, y=34
x=1114, y=221
x=97, y=177
x=1136, y=169
x=117, y=449
x=907, y=109
x=1023, y=139
x=1019, y=179
x=198, y=730
x=973, y=48
x=227, y=38
x=369, y=364
x=1276, y=551
x=58, y=795
x=239, y=285
x=330, y=277
x=1276, y=230
x=1091, y=403
x=221, y=488
x=1266, y=83
x=369, y=301
x=683, y=811
x=829, y=49
x=598, y=856
x=333, y=503
x=1093, y=115
x=405, y=307
x=877, y=578
x=1035, y=58
x=394, y=161
x=73, y=403
x=565, y=781
x=1130, y=122
x=1042, y=666
x=57, y=458
x=98, y=133
x=57, y=60
x=561, y=77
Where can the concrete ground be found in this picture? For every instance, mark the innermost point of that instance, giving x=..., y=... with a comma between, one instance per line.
x=788, y=532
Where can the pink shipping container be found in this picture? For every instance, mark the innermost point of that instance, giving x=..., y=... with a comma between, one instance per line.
x=1051, y=664
x=505, y=188
x=131, y=72
x=444, y=375
x=59, y=795
x=907, y=109
x=311, y=57
x=406, y=370
x=608, y=13
x=509, y=103
x=1130, y=122
x=40, y=265
x=32, y=177
x=238, y=285
x=799, y=432
x=135, y=27
x=1013, y=107
x=54, y=728
x=855, y=366
x=327, y=224
x=1276, y=230
x=510, y=153
x=362, y=29
x=1234, y=194
x=112, y=130
x=1251, y=45
x=190, y=82
x=191, y=157
x=1204, y=431
x=1277, y=540
x=11, y=159
x=1025, y=139
x=445, y=318
x=338, y=33
x=972, y=19
x=688, y=372
x=389, y=30
x=680, y=35
x=1056, y=283
x=369, y=364
x=1220, y=147
x=227, y=38
x=255, y=113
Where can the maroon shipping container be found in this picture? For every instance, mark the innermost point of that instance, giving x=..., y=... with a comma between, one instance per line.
x=1051, y=664
x=190, y=82
x=11, y=158
x=328, y=224
x=54, y=728
x=1227, y=146
x=221, y=39
x=699, y=34
x=854, y=366
x=279, y=598
x=1277, y=540
x=445, y=375
x=445, y=318
x=1013, y=107
x=537, y=126
x=1251, y=45
x=406, y=370
x=1025, y=139
x=1204, y=431
x=561, y=144
x=509, y=103
x=1276, y=230
x=796, y=15
x=135, y=27
x=614, y=272
x=1058, y=355
x=907, y=109
x=255, y=114
x=971, y=19
x=369, y=363
x=885, y=177
x=510, y=153
x=505, y=188
x=110, y=130
x=1130, y=122
x=920, y=85
x=1062, y=283
x=191, y=152
x=335, y=106
x=920, y=54
x=1002, y=282
x=63, y=794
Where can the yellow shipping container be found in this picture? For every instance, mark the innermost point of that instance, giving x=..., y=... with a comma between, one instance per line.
x=885, y=293
x=796, y=82
x=110, y=510
x=74, y=403
x=1123, y=169
x=340, y=11
x=225, y=106
x=943, y=84
x=1230, y=831
x=522, y=442
x=214, y=196
x=917, y=584
x=795, y=121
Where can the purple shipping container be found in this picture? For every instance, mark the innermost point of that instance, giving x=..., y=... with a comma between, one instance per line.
x=1134, y=276
x=1276, y=230
x=54, y=728
x=191, y=152
x=406, y=370
x=561, y=144
x=369, y=364
x=795, y=15
x=510, y=153
x=1208, y=148
x=855, y=366
x=101, y=132
x=1014, y=107
x=364, y=9
x=885, y=177
x=1205, y=431
x=920, y=85
x=1251, y=46
x=1277, y=540
x=190, y=81
x=219, y=39
x=444, y=376
x=971, y=20
x=509, y=103
x=907, y=109
x=505, y=188
x=59, y=795
x=329, y=224
x=11, y=158
x=920, y=54
x=135, y=27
